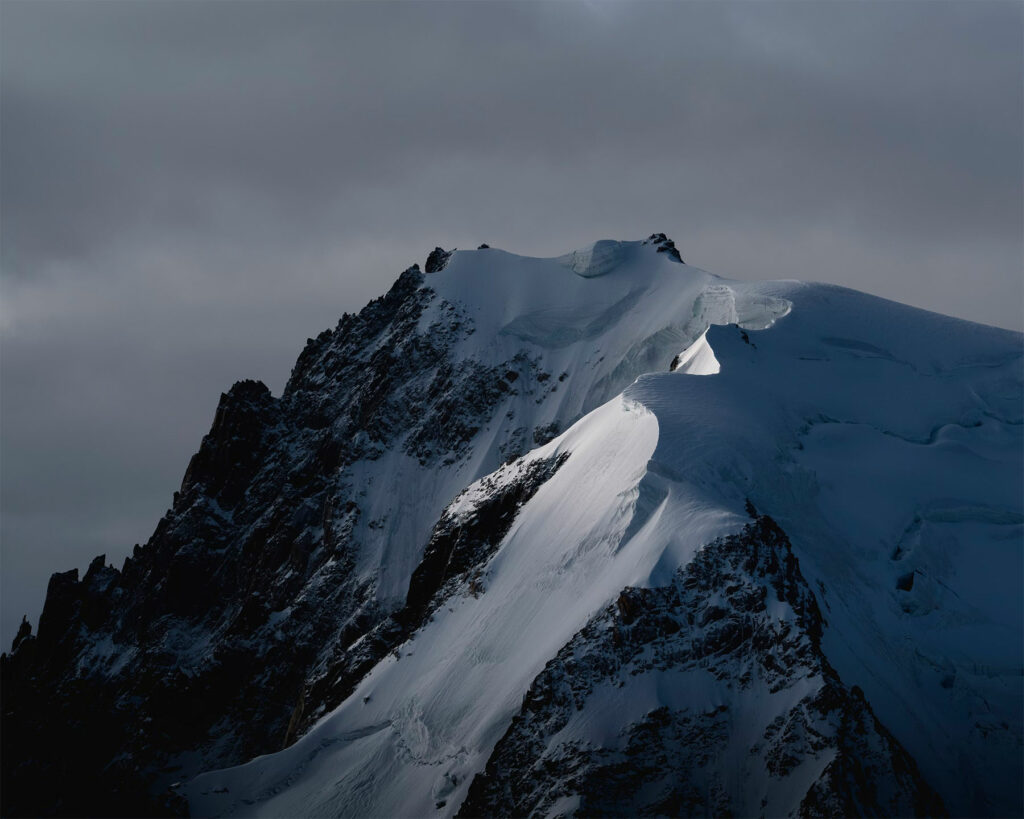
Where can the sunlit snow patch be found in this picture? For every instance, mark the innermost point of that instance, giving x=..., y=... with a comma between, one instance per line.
x=697, y=359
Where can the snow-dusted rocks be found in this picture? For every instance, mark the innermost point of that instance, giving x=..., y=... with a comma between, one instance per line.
x=437, y=259
x=664, y=245
x=385, y=568
x=708, y=696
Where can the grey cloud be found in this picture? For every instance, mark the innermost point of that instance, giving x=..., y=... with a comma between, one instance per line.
x=188, y=191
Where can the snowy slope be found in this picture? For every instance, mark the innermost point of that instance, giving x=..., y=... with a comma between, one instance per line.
x=575, y=331
x=884, y=441
x=282, y=571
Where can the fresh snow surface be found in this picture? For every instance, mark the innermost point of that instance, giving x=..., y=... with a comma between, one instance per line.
x=885, y=440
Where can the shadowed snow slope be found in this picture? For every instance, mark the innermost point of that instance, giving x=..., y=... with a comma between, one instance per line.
x=885, y=443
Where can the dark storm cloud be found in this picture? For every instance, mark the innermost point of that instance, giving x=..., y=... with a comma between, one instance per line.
x=189, y=190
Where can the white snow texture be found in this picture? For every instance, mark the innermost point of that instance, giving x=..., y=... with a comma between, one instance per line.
x=885, y=440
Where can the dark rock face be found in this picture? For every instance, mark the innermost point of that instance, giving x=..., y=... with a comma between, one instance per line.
x=465, y=540
x=437, y=260
x=741, y=617
x=217, y=640
x=664, y=245
x=24, y=632
x=235, y=447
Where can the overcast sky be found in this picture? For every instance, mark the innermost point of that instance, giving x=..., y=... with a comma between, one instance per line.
x=189, y=190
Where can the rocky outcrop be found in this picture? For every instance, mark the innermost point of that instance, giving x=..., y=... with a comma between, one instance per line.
x=464, y=539
x=216, y=640
x=437, y=259
x=762, y=724
x=664, y=245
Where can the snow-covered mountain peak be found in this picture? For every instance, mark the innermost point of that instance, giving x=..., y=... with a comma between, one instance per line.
x=599, y=533
x=656, y=474
x=557, y=302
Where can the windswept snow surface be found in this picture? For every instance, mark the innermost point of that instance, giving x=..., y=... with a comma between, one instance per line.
x=584, y=326
x=886, y=441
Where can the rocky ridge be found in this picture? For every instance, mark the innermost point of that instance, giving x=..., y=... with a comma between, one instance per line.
x=219, y=636
x=738, y=634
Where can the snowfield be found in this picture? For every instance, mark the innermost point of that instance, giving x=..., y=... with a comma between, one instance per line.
x=885, y=441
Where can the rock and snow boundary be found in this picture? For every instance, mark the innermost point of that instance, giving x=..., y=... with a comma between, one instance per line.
x=851, y=421
x=599, y=533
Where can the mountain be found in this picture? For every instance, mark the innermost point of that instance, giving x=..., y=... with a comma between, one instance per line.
x=603, y=533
